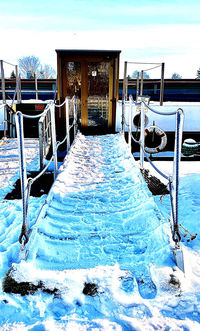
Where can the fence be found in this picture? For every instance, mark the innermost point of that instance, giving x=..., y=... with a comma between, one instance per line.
x=173, y=179
x=47, y=129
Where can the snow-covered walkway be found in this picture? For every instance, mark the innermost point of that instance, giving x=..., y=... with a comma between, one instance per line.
x=100, y=216
x=100, y=212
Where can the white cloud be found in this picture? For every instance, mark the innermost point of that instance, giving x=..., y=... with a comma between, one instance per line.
x=176, y=45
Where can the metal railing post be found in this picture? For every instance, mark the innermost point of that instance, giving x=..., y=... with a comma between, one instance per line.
x=17, y=83
x=142, y=136
x=123, y=112
x=41, y=143
x=36, y=87
x=130, y=122
x=137, y=86
x=3, y=82
x=75, y=117
x=176, y=164
x=67, y=123
x=162, y=84
x=142, y=82
x=5, y=120
x=22, y=163
x=11, y=124
x=53, y=132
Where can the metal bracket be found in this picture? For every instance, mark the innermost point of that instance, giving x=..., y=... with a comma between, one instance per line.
x=179, y=258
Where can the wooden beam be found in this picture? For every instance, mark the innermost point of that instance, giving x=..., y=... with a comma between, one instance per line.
x=59, y=84
x=125, y=81
x=117, y=78
x=110, y=110
x=84, y=94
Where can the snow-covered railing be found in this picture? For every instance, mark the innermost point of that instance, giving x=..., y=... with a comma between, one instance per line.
x=50, y=131
x=45, y=135
x=173, y=179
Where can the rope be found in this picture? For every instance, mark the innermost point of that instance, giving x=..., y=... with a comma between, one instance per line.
x=9, y=63
x=149, y=160
x=61, y=104
x=37, y=116
x=42, y=172
x=61, y=142
x=159, y=112
x=158, y=66
x=144, y=63
x=153, y=165
x=153, y=110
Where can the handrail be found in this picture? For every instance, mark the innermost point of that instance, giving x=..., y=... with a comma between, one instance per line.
x=173, y=180
x=27, y=182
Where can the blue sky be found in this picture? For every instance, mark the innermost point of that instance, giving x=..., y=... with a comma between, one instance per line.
x=149, y=31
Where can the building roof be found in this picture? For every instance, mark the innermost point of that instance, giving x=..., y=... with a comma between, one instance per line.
x=87, y=51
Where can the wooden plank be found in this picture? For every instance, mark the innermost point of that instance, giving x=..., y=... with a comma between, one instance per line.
x=117, y=78
x=59, y=87
x=125, y=80
x=110, y=95
x=84, y=94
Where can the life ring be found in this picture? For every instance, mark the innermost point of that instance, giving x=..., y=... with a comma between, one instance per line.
x=160, y=139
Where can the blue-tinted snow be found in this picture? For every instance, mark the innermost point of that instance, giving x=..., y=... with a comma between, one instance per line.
x=107, y=221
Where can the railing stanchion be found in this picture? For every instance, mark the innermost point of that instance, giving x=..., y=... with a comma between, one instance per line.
x=5, y=120
x=53, y=132
x=130, y=122
x=176, y=166
x=75, y=116
x=41, y=143
x=67, y=124
x=22, y=163
x=123, y=113
x=142, y=136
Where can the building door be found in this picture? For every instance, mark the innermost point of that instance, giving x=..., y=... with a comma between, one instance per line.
x=90, y=83
x=93, y=77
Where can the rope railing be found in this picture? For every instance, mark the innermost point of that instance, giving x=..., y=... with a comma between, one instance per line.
x=27, y=182
x=173, y=179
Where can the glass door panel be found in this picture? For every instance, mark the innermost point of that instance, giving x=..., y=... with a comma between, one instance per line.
x=98, y=93
x=73, y=85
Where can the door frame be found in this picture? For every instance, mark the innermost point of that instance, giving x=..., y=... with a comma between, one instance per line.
x=84, y=56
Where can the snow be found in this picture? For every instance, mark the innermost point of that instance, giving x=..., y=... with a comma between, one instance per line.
x=9, y=161
x=124, y=301
x=166, y=123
